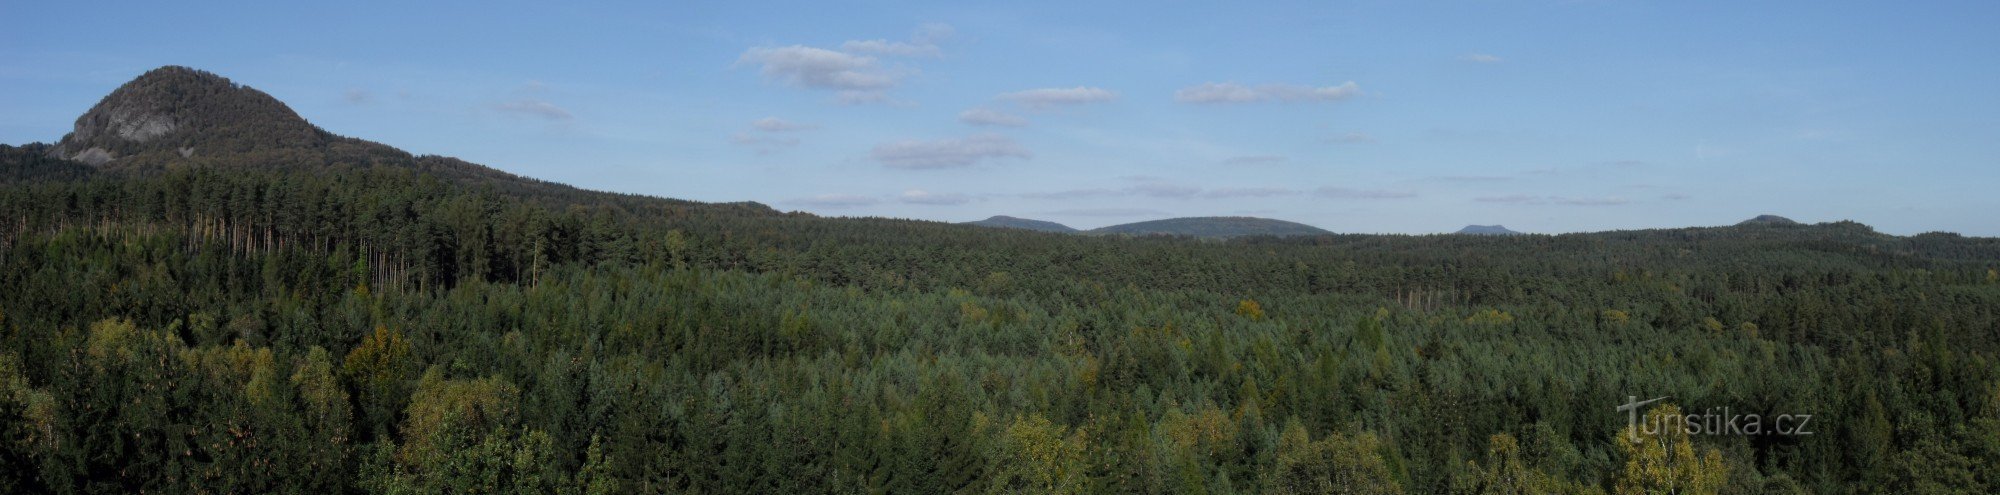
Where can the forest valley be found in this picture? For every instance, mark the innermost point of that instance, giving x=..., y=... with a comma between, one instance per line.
x=340, y=318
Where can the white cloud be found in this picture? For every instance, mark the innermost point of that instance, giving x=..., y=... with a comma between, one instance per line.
x=991, y=117
x=1050, y=97
x=1345, y=193
x=1479, y=58
x=858, y=78
x=534, y=108
x=1351, y=138
x=923, y=43
x=1229, y=92
x=947, y=153
x=922, y=197
x=774, y=124
x=1254, y=160
x=835, y=201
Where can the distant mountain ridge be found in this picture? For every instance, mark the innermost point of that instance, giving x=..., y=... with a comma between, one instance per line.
x=175, y=116
x=1213, y=227
x=1486, y=230
x=1007, y=222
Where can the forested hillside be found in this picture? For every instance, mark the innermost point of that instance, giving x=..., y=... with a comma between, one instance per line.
x=207, y=324
x=1213, y=227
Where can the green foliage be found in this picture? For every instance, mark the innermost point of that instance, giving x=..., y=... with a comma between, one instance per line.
x=1336, y=463
x=1250, y=309
x=1660, y=458
x=407, y=325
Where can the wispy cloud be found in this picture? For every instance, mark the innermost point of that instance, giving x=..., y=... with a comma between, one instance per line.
x=1254, y=160
x=1479, y=58
x=857, y=78
x=1350, y=138
x=1346, y=193
x=770, y=134
x=1164, y=190
x=892, y=48
x=1229, y=92
x=1589, y=201
x=1471, y=178
x=533, y=108
x=1523, y=199
x=1592, y=168
x=833, y=201
x=1109, y=212
x=1051, y=97
x=922, y=197
x=991, y=117
x=1161, y=189
x=357, y=97
x=1248, y=192
x=763, y=143
x=1511, y=199
x=774, y=124
x=925, y=42
x=1075, y=194
x=947, y=153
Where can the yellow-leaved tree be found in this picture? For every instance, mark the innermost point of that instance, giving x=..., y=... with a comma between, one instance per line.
x=1659, y=458
x=1336, y=463
x=1248, y=308
x=1035, y=455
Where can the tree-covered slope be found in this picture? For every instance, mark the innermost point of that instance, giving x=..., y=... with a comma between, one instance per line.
x=1213, y=227
x=1486, y=230
x=319, y=327
x=1007, y=222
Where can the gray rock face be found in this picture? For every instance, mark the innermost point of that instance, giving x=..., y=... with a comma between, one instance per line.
x=138, y=126
x=124, y=121
x=94, y=156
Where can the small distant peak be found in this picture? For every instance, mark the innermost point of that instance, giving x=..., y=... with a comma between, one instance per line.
x=1767, y=220
x=1486, y=230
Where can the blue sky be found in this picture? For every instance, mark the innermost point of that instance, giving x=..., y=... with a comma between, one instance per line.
x=1374, y=116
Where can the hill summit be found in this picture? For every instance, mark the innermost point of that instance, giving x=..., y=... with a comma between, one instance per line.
x=1007, y=222
x=181, y=111
x=1767, y=220
x=1486, y=230
x=1213, y=227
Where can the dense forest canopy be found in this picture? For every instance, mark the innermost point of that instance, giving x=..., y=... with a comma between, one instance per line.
x=334, y=316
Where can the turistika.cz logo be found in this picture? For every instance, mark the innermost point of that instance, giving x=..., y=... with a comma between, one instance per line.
x=1709, y=422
